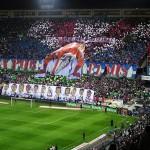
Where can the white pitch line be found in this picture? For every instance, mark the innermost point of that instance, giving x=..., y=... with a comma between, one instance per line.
x=44, y=123
x=24, y=110
x=89, y=136
x=39, y=111
x=82, y=139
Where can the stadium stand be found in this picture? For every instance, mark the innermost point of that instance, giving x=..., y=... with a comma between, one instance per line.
x=34, y=38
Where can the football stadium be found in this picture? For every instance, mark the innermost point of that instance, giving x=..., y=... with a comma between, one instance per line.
x=74, y=75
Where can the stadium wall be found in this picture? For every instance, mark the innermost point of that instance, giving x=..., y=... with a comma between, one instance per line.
x=137, y=12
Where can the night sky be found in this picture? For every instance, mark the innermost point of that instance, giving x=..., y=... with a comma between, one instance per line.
x=75, y=4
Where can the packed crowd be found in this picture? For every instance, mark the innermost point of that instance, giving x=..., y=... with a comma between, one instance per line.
x=35, y=38
x=136, y=137
x=123, y=41
x=130, y=91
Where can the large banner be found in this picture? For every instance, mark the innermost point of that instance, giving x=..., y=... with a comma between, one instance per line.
x=69, y=61
x=91, y=68
x=57, y=93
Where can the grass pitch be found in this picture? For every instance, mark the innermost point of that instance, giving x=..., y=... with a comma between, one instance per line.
x=25, y=128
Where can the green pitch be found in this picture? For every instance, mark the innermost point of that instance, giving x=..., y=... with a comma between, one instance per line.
x=25, y=128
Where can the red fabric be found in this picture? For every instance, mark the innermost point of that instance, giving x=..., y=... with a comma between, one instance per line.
x=103, y=99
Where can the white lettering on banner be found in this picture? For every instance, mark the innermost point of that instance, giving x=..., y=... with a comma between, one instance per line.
x=3, y=63
x=117, y=70
x=91, y=68
x=97, y=39
x=17, y=66
x=9, y=64
x=20, y=64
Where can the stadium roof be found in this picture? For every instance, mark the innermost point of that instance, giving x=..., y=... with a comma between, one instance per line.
x=75, y=4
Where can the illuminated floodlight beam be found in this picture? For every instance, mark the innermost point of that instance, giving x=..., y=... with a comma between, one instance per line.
x=47, y=4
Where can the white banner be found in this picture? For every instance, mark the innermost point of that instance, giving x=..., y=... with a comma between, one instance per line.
x=57, y=93
x=145, y=78
x=78, y=39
